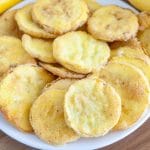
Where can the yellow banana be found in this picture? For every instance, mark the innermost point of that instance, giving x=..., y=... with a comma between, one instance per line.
x=6, y=4
x=143, y=5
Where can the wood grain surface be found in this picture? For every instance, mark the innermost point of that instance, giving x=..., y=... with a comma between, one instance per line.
x=139, y=140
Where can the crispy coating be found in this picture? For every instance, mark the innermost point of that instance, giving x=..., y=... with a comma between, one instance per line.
x=145, y=41
x=92, y=107
x=61, y=72
x=142, y=62
x=141, y=5
x=39, y=48
x=130, y=48
x=133, y=88
x=92, y=5
x=144, y=20
x=12, y=53
x=112, y=23
x=26, y=24
x=47, y=115
x=65, y=16
x=80, y=52
x=8, y=25
x=127, y=51
x=18, y=90
x=99, y=60
x=1, y=77
x=133, y=43
x=83, y=28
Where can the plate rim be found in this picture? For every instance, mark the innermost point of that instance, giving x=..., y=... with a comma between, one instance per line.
x=51, y=147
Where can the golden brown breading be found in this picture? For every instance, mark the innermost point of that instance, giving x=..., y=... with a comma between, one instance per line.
x=18, y=90
x=112, y=23
x=80, y=52
x=8, y=25
x=47, y=115
x=65, y=16
x=133, y=88
x=26, y=24
x=61, y=72
x=92, y=107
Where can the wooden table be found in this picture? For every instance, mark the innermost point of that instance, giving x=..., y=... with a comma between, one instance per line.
x=139, y=140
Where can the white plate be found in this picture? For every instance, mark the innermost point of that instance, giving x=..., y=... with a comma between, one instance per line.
x=82, y=144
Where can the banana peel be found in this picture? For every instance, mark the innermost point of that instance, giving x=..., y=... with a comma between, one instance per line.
x=6, y=4
x=143, y=5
